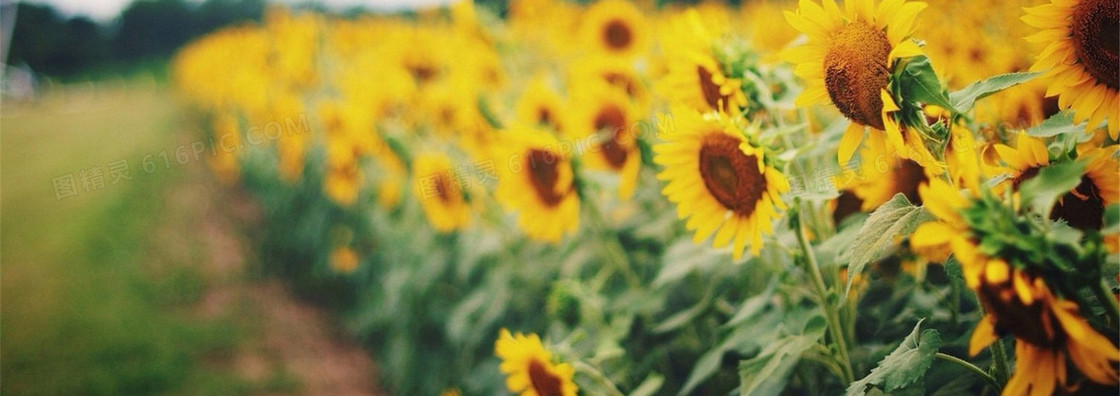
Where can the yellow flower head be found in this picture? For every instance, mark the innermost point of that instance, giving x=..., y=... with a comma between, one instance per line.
x=719, y=181
x=529, y=367
x=1082, y=58
x=227, y=133
x=604, y=129
x=441, y=197
x=535, y=178
x=617, y=28
x=541, y=105
x=694, y=77
x=848, y=58
x=1047, y=328
x=344, y=259
x=1083, y=207
x=881, y=175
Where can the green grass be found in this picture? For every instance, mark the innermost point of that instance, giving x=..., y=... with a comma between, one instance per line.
x=83, y=313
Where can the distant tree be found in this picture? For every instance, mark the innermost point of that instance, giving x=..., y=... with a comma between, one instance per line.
x=153, y=28
x=214, y=14
x=51, y=44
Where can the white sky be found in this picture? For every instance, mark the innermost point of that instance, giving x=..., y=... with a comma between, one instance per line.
x=104, y=10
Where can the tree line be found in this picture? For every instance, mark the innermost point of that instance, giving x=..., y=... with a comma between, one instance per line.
x=55, y=45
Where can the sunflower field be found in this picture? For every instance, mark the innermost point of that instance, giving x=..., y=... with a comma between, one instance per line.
x=615, y=197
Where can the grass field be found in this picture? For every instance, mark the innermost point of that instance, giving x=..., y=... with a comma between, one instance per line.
x=90, y=306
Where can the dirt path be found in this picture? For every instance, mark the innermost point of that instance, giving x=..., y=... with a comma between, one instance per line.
x=291, y=345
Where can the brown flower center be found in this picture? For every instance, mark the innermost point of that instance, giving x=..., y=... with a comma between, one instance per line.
x=443, y=187
x=544, y=174
x=732, y=177
x=855, y=71
x=544, y=116
x=624, y=82
x=1025, y=175
x=1082, y=208
x=1026, y=322
x=1096, y=37
x=847, y=204
x=421, y=72
x=543, y=382
x=908, y=175
x=617, y=35
x=711, y=91
x=612, y=120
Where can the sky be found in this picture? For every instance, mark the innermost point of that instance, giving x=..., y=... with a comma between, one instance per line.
x=104, y=10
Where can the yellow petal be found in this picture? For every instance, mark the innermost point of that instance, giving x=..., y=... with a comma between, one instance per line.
x=906, y=49
x=850, y=142
x=983, y=335
x=932, y=234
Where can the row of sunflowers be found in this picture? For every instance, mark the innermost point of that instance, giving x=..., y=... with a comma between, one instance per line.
x=634, y=198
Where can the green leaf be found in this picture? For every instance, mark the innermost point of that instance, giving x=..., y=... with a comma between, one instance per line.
x=1111, y=219
x=1058, y=124
x=1052, y=182
x=682, y=318
x=904, y=366
x=488, y=113
x=966, y=98
x=953, y=269
x=650, y=386
x=744, y=339
x=767, y=373
x=754, y=305
x=684, y=257
x=919, y=83
x=895, y=218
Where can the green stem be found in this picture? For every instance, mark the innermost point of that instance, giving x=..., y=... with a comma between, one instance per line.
x=598, y=376
x=954, y=301
x=615, y=252
x=822, y=355
x=1001, y=367
x=1108, y=299
x=971, y=367
x=831, y=317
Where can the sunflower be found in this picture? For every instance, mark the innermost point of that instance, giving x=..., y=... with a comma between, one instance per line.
x=292, y=148
x=537, y=180
x=343, y=183
x=344, y=260
x=945, y=203
x=848, y=60
x=1047, y=329
x=225, y=161
x=1082, y=58
x=441, y=197
x=529, y=367
x=615, y=27
x=766, y=29
x=1023, y=161
x=693, y=75
x=962, y=158
x=391, y=179
x=1019, y=107
x=881, y=175
x=1083, y=207
x=1016, y=299
x=604, y=127
x=540, y=105
x=617, y=74
x=719, y=180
